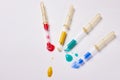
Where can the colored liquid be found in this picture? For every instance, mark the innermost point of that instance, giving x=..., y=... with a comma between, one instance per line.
x=68, y=57
x=46, y=27
x=75, y=65
x=78, y=64
x=50, y=71
x=50, y=46
x=87, y=56
x=81, y=62
x=62, y=38
x=71, y=45
x=76, y=54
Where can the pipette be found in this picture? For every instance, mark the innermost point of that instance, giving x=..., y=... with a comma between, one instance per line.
x=50, y=46
x=66, y=28
x=97, y=47
x=83, y=33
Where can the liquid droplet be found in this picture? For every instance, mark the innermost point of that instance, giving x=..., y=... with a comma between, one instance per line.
x=75, y=65
x=50, y=46
x=50, y=71
x=68, y=57
x=76, y=54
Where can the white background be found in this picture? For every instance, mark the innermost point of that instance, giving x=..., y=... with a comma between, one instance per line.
x=23, y=54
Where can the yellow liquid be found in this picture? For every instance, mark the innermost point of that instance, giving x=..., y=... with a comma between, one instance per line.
x=50, y=71
x=62, y=38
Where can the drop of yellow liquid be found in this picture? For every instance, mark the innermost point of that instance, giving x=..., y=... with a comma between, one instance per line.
x=50, y=71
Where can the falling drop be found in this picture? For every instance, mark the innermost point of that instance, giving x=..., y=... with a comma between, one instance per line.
x=68, y=57
x=76, y=54
x=50, y=71
x=75, y=65
x=50, y=46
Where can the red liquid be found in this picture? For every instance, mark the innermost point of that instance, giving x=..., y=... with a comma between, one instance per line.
x=50, y=46
x=46, y=27
x=48, y=37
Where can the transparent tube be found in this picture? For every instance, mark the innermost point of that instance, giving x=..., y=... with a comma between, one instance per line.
x=83, y=33
x=69, y=17
x=92, y=23
x=65, y=29
x=44, y=15
x=103, y=42
x=88, y=55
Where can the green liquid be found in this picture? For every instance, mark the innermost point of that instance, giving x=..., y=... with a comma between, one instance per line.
x=76, y=54
x=71, y=45
x=68, y=57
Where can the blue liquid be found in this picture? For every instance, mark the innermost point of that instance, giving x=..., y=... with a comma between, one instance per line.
x=75, y=65
x=87, y=56
x=78, y=64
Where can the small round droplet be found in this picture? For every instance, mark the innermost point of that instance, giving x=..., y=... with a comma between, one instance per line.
x=76, y=54
x=68, y=57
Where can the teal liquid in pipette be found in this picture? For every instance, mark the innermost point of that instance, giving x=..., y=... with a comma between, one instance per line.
x=71, y=45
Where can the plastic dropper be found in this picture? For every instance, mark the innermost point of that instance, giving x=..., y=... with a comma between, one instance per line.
x=97, y=47
x=66, y=28
x=84, y=32
x=50, y=46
